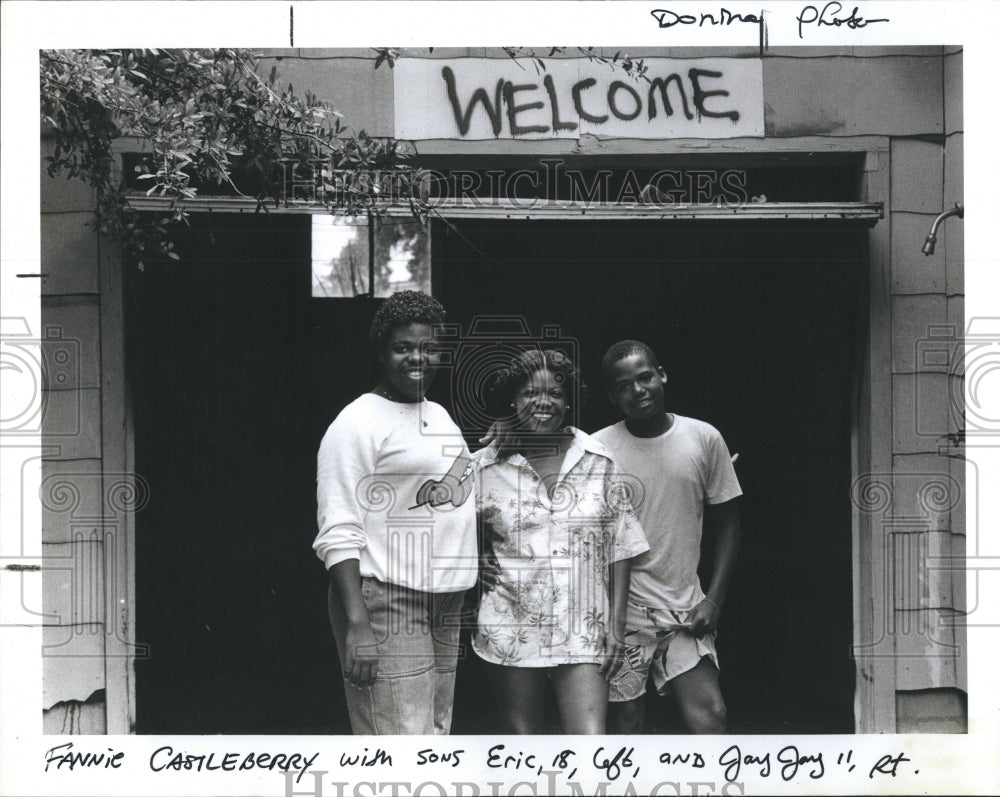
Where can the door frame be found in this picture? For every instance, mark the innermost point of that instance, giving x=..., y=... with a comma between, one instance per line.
x=871, y=419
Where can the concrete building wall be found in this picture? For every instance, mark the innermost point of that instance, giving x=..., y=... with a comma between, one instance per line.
x=927, y=524
x=73, y=657
x=87, y=491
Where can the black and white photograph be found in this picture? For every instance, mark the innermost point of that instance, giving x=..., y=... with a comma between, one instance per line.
x=603, y=418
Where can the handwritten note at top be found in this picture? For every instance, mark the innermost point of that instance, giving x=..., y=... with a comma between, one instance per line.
x=809, y=17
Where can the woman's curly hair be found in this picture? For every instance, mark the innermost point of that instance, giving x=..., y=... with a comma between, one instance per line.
x=507, y=381
x=404, y=307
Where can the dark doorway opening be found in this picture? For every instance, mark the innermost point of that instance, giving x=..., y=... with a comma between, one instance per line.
x=754, y=323
x=236, y=372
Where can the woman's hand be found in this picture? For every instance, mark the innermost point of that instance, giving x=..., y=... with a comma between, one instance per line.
x=704, y=618
x=489, y=571
x=361, y=654
x=489, y=565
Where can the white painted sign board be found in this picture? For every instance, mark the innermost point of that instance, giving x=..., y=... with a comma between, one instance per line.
x=483, y=98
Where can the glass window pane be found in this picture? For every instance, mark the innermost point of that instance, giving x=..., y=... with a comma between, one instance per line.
x=340, y=256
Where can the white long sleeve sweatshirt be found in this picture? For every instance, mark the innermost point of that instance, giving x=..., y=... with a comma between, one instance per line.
x=394, y=490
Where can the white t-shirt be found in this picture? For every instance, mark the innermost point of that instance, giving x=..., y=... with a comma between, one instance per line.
x=394, y=489
x=671, y=478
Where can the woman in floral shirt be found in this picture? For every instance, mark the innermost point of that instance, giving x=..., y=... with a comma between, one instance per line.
x=557, y=531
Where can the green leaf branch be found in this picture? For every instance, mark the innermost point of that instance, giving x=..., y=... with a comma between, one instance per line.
x=205, y=117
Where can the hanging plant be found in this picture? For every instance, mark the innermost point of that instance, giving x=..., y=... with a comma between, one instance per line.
x=205, y=118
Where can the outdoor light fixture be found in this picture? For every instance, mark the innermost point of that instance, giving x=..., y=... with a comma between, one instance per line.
x=931, y=239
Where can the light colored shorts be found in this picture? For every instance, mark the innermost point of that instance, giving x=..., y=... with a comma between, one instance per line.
x=655, y=641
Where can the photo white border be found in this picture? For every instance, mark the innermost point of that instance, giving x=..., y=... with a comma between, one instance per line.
x=946, y=763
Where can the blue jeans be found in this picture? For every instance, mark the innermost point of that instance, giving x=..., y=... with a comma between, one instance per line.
x=416, y=634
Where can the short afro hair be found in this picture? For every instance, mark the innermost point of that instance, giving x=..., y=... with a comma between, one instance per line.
x=623, y=349
x=507, y=381
x=404, y=307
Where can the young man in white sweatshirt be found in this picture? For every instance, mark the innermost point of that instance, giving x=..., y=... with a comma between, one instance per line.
x=397, y=533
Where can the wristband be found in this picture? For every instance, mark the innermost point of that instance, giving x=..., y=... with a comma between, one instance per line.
x=717, y=609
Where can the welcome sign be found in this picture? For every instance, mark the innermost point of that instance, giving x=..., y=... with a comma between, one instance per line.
x=484, y=98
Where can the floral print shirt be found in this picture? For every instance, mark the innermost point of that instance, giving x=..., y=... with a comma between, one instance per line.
x=552, y=603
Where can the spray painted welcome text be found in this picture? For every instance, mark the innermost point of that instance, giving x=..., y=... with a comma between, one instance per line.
x=485, y=98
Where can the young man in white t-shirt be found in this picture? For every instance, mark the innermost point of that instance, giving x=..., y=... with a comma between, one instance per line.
x=682, y=480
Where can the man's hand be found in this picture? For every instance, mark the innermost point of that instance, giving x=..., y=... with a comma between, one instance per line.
x=704, y=618
x=348, y=614
x=614, y=653
x=491, y=433
x=722, y=521
x=502, y=433
x=361, y=665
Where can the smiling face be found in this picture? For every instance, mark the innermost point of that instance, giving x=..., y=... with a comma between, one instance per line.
x=407, y=362
x=540, y=404
x=636, y=387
